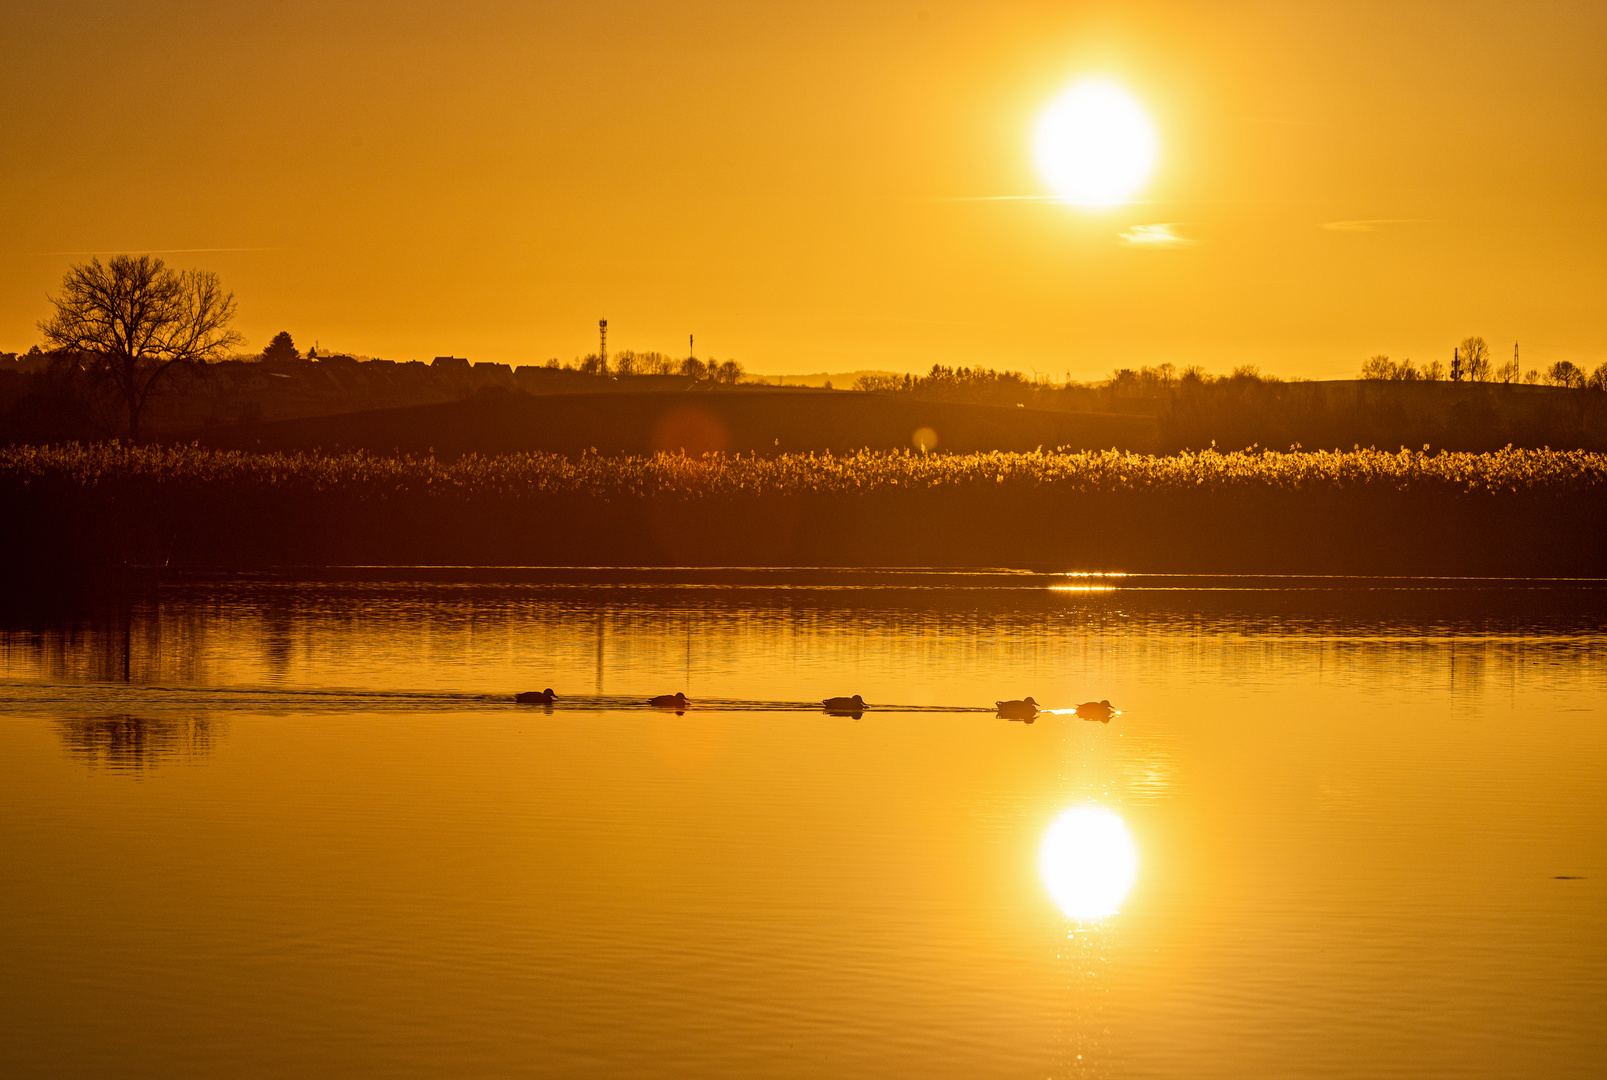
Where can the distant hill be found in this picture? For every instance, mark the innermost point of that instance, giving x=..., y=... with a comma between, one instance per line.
x=318, y=403
x=735, y=421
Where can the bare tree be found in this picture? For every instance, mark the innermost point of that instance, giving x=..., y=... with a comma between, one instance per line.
x=1475, y=359
x=1566, y=373
x=1377, y=367
x=1382, y=367
x=132, y=323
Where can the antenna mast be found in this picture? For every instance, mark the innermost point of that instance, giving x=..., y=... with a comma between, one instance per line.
x=602, y=343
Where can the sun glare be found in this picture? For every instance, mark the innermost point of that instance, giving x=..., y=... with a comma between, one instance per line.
x=1094, y=144
x=1088, y=862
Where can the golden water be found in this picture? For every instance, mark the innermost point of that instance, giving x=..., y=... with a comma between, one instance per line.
x=274, y=828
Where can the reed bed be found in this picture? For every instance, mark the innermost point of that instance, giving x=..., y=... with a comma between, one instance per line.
x=1506, y=512
x=113, y=468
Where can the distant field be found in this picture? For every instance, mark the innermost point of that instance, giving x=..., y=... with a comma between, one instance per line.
x=773, y=420
x=1509, y=512
x=765, y=421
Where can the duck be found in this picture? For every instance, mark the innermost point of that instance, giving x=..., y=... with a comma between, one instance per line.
x=1096, y=710
x=844, y=704
x=535, y=697
x=1025, y=709
x=669, y=701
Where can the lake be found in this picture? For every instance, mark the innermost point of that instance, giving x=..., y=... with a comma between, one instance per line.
x=274, y=825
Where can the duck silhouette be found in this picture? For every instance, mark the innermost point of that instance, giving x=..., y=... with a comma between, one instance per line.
x=1024, y=709
x=844, y=704
x=1096, y=710
x=675, y=701
x=535, y=697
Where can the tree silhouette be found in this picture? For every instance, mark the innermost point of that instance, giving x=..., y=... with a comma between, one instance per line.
x=1475, y=359
x=1566, y=373
x=130, y=323
x=281, y=348
x=1377, y=367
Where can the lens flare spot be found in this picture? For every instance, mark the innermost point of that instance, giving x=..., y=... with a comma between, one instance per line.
x=1088, y=862
x=924, y=439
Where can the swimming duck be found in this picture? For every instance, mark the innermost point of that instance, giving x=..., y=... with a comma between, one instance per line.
x=1025, y=709
x=535, y=697
x=844, y=704
x=1096, y=710
x=669, y=701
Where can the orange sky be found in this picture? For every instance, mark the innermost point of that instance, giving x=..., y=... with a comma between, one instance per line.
x=803, y=185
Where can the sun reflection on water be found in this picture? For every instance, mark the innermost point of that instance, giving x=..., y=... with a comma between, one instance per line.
x=1088, y=862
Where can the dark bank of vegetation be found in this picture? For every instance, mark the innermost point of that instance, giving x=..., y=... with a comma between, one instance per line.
x=1510, y=512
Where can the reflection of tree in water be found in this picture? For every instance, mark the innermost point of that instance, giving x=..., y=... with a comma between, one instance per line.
x=278, y=638
x=125, y=743
x=132, y=643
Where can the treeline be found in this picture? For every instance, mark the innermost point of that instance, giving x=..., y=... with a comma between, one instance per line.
x=628, y=364
x=1471, y=362
x=77, y=508
x=1194, y=409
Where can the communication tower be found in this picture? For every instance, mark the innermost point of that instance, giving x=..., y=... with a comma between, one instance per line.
x=602, y=342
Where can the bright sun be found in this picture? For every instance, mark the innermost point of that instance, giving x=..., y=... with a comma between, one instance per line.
x=1088, y=862
x=1094, y=144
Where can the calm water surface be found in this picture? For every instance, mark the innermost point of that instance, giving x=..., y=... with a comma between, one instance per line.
x=270, y=827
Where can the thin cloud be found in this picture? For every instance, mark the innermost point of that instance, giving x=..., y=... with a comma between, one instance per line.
x=1158, y=235
x=1368, y=224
